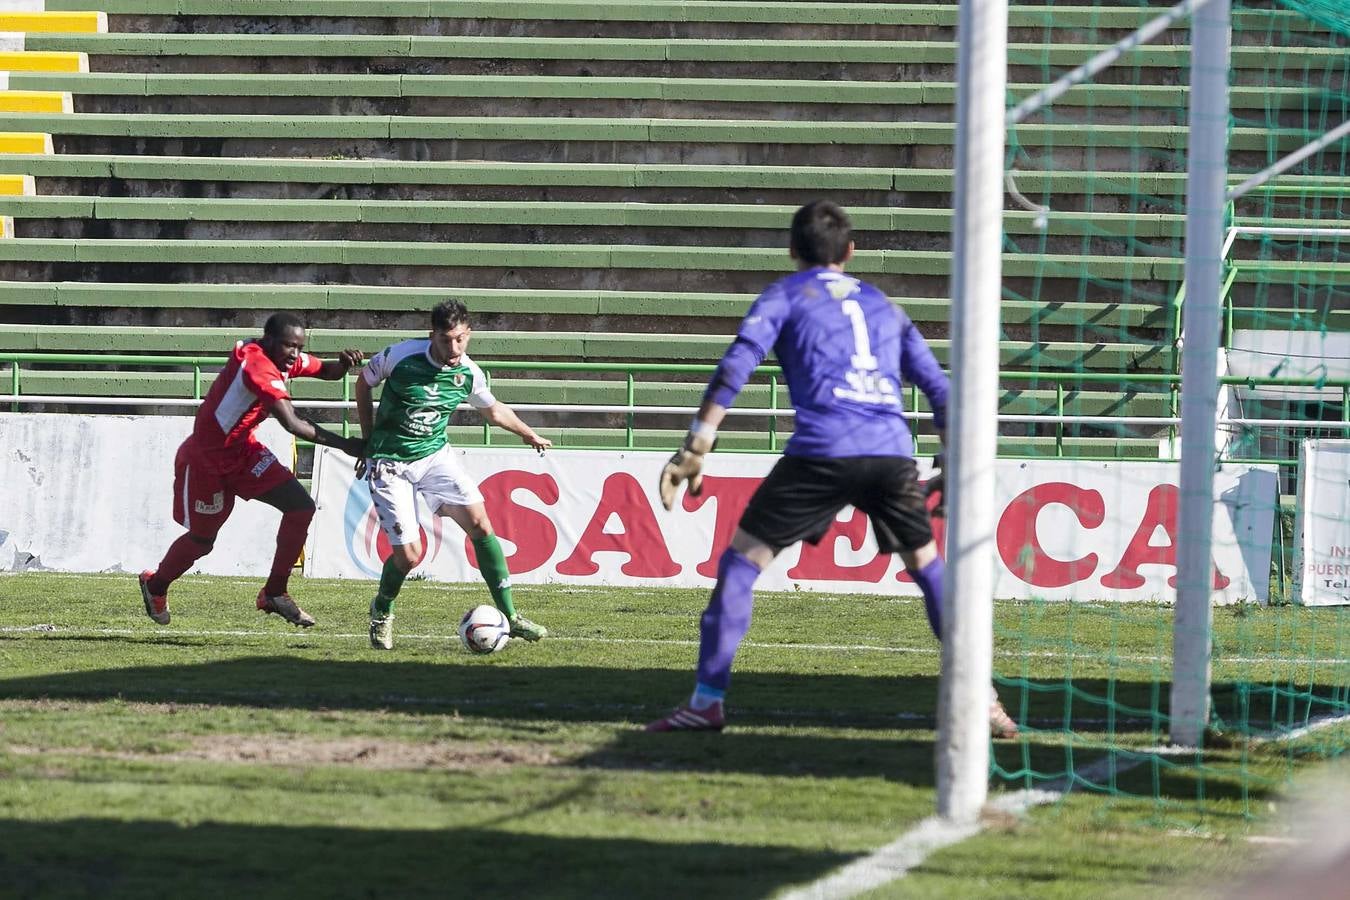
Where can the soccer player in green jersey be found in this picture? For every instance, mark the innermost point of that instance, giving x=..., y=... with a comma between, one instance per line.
x=408, y=453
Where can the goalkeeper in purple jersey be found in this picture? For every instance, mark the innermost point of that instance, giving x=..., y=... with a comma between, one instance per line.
x=844, y=349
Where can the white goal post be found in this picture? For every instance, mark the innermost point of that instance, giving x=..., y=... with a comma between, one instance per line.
x=977, y=234
x=963, y=739
x=1206, y=189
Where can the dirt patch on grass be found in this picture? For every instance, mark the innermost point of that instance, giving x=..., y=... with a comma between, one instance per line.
x=366, y=753
x=360, y=752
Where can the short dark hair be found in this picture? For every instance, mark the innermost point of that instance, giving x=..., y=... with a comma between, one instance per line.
x=820, y=233
x=449, y=313
x=277, y=323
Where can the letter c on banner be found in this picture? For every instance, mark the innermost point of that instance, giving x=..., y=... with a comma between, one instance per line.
x=1023, y=554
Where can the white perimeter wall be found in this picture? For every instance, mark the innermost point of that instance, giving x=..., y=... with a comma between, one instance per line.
x=93, y=494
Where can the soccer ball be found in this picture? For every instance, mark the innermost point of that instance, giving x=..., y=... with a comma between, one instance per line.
x=484, y=629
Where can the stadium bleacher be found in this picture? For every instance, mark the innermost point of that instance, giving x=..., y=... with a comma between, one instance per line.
x=599, y=182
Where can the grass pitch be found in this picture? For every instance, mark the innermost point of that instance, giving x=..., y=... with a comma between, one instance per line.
x=230, y=754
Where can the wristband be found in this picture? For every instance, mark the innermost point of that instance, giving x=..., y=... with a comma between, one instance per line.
x=702, y=429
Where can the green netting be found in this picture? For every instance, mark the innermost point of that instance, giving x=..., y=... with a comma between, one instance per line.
x=1332, y=14
x=1090, y=676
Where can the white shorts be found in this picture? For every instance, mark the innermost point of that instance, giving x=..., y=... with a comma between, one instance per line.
x=438, y=478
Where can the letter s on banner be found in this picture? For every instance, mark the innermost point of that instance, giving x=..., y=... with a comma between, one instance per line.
x=531, y=531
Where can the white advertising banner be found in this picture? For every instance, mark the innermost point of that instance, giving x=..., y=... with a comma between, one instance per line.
x=94, y=494
x=1322, y=527
x=1067, y=530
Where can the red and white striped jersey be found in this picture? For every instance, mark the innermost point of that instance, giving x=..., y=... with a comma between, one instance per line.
x=243, y=394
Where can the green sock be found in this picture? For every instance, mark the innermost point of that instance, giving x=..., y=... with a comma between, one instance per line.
x=391, y=582
x=492, y=564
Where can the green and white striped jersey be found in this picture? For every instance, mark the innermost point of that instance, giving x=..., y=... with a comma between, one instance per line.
x=418, y=398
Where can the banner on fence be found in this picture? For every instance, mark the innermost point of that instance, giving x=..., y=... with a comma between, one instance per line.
x=1322, y=523
x=1068, y=530
x=94, y=494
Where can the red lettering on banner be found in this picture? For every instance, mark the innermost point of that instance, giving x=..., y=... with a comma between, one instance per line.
x=817, y=563
x=732, y=495
x=939, y=526
x=1161, y=512
x=1022, y=552
x=641, y=539
x=530, y=530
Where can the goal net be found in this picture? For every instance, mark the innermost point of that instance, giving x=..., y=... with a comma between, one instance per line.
x=1093, y=343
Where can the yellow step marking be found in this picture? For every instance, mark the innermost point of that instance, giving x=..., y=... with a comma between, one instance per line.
x=85, y=22
x=17, y=186
x=25, y=142
x=44, y=61
x=35, y=102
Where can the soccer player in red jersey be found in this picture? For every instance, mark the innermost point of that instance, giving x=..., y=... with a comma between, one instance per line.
x=222, y=459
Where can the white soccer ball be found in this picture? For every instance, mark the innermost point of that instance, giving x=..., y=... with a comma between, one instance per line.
x=484, y=629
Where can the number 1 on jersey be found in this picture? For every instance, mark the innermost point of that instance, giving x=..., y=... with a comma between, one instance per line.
x=862, y=345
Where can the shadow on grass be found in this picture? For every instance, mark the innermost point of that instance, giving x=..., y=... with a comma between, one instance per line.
x=1215, y=775
x=630, y=697
x=112, y=858
x=601, y=693
x=567, y=693
x=898, y=760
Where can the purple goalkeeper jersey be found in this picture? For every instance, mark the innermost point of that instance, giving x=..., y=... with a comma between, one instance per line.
x=844, y=348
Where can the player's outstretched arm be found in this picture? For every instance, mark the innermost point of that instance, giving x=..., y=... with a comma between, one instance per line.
x=333, y=369
x=365, y=407
x=307, y=430
x=365, y=414
x=503, y=416
x=687, y=463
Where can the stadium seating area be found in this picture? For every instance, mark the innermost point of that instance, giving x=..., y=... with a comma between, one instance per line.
x=600, y=182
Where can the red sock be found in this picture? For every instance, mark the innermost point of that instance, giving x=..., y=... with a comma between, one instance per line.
x=180, y=556
x=290, y=542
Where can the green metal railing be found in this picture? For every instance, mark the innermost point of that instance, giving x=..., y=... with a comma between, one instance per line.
x=1062, y=381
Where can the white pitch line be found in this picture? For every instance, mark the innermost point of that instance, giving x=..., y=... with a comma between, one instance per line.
x=893, y=861
x=897, y=858
x=1273, y=736
x=887, y=864
x=152, y=635
x=1010, y=653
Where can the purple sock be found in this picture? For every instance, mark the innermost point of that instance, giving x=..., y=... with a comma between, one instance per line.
x=727, y=618
x=929, y=580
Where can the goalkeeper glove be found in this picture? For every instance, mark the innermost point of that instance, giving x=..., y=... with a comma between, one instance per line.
x=687, y=463
x=937, y=484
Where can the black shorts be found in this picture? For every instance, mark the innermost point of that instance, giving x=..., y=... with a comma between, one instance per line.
x=803, y=494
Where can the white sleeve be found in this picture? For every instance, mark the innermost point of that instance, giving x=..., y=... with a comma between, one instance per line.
x=374, y=371
x=480, y=397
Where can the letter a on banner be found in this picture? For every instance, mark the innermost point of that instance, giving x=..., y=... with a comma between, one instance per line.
x=1161, y=513
x=641, y=539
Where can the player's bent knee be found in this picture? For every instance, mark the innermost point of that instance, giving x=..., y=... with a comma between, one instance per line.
x=753, y=549
x=406, y=555
x=913, y=560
